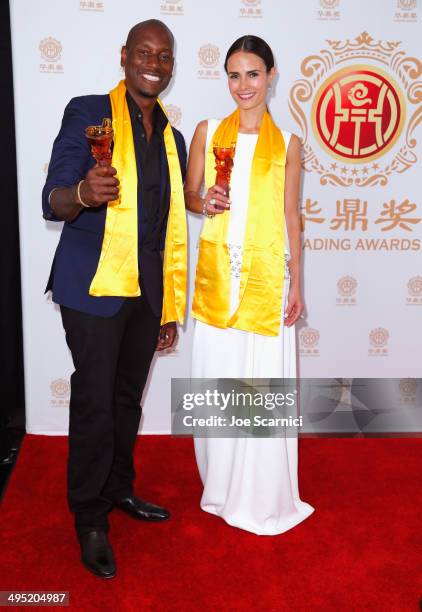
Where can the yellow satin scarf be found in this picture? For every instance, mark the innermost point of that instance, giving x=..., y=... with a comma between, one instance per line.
x=117, y=272
x=262, y=272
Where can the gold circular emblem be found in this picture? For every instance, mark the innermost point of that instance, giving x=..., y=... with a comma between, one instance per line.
x=415, y=285
x=407, y=386
x=174, y=114
x=358, y=114
x=50, y=49
x=309, y=337
x=60, y=388
x=209, y=55
x=347, y=286
x=407, y=5
x=379, y=337
x=329, y=4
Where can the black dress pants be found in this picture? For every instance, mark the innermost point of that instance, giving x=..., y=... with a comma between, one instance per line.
x=112, y=357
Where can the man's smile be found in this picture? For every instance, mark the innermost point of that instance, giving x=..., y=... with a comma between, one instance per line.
x=153, y=78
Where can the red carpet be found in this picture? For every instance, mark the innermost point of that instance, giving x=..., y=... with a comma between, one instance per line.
x=360, y=550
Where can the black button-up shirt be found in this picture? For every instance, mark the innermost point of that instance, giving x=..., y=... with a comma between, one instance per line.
x=152, y=196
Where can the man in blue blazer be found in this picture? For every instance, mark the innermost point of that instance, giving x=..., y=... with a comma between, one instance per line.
x=112, y=338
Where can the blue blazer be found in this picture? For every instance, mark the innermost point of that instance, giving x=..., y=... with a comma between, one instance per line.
x=76, y=258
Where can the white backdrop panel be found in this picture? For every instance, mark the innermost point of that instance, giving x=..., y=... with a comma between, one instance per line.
x=82, y=57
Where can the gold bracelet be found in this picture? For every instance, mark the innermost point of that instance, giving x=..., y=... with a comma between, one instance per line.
x=78, y=191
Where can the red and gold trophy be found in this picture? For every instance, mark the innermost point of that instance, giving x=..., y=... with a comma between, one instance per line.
x=100, y=138
x=223, y=164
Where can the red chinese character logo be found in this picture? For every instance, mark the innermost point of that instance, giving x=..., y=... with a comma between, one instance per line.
x=358, y=114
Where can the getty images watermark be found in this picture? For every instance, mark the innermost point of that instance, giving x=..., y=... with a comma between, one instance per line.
x=222, y=401
x=234, y=408
x=230, y=408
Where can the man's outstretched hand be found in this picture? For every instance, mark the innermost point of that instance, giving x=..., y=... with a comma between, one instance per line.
x=100, y=185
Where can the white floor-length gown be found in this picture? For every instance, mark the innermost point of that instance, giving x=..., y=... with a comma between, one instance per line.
x=251, y=483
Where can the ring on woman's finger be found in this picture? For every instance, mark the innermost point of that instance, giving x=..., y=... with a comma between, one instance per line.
x=212, y=201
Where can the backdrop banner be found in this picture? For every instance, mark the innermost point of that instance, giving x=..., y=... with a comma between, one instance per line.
x=349, y=84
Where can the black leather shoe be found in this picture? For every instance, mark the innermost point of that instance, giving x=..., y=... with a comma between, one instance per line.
x=97, y=554
x=142, y=510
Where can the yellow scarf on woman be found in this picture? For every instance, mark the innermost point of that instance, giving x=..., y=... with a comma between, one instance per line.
x=262, y=272
x=117, y=272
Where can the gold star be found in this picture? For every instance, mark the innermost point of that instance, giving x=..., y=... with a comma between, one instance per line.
x=344, y=170
x=333, y=166
x=365, y=170
x=375, y=166
x=355, y=171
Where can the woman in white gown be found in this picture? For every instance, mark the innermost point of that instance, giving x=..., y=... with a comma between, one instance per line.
x=251, y=483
